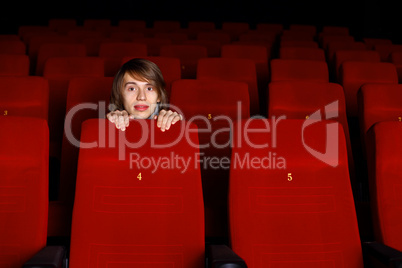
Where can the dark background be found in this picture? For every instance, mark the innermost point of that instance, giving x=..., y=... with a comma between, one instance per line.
x=365, y=18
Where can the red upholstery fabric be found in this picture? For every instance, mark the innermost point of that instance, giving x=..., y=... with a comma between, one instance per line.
x=49, y=50
x=24, y=179
x=215, y=117
x=16, y=100
x=12, y=47
x=324, y=40
x=14, y=65
x=153, y=44
x=232, y=69
x=287, y=207
x=188, y=55
x=384, y=147
x=301, y=99
x=296, y=43
x=129, y=211
x=59, y=71
x=216, y=35
x=352, y=55
x=311, y=70
x=235, y=28
x=354, y=74
x=84, y=98
x=378, y=102
x=302, y=53
x=371, y=42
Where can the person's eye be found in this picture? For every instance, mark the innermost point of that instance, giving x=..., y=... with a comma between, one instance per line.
x=150, y=88
x=131, y=88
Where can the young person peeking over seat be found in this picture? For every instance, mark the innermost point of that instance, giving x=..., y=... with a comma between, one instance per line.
x=139, y=93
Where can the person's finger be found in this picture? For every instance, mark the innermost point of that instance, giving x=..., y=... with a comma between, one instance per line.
x=170, y=120
x=121, y=123
x=165, y=119
x=176, y=118
x=109, y=116
x=161, y=115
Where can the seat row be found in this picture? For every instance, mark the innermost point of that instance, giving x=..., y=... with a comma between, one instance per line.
x=142, y=205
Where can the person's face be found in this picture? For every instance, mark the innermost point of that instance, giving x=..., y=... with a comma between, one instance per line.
x=139, y=98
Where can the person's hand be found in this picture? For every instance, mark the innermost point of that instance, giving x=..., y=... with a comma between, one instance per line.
x=120, y=118
x=167, y=118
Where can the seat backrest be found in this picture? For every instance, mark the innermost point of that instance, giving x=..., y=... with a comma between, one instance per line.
x=16, y=100
x=289, y=204
x=384, y=146
x=302, y=53
x=311, y=70
x=134, y=203
x=49, y=50
x=354, y=55
x=232, y=69
x=377, y=103
x=24, y=180
x=87, y=97
x=11, y=47
x=354, y=74
x=14, y=65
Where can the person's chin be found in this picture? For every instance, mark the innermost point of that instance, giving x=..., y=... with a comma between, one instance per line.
x=142, y=115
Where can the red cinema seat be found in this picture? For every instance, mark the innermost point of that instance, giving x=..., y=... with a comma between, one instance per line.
x=384, y=145
x=297, y=35
x=290, y=200
x=232, y=69
x=9, y=37
x=396, y=58
x=25, y=32
x=14, y=65
x=132, y=25
x=87, y=97
x=24, y=180
x=311, y=100
x=213, y=47
x=216, y=35
x=354, y=74
x=312, y=29
x=270, y=27
x=325, y=39
x=312, y=70
x=12, y=47
x=371, y=42
x=302, y=53
x=16, y=100
x=177, y=38
x=235, y=28
x=153, y=44
x=377, y=103
x=112, y=53
x=59, y=71
x=256, y=53
x=352, y=55
x=194, y=27
x=335, y=30
x=79, y=34
x=297, y=43
x=170, y=68
x=149, y=214
x=334, y=46
x=386, y=50
x=188, y=56
x=166, y=25
x=214, y=118
x=49, y=50
x=91, y=24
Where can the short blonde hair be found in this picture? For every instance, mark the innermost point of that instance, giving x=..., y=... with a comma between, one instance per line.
x=143, y=70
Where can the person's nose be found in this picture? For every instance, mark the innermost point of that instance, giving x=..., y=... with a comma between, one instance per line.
x=141, y=95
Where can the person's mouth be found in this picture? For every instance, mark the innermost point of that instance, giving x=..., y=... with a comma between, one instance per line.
x=141, y=108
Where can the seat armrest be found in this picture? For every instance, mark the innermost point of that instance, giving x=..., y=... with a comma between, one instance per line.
x=222, y=256
x=48, y=257
x=381, y=255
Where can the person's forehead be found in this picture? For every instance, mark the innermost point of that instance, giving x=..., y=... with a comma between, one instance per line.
x=128, y=78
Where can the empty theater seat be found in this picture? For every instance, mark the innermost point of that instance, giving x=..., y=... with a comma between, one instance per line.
x=377, y=103
x=384, y=145
x=285, y=70
x=214, y=117
x=188, y=55
x=49, y=50
x=59, y=71
x=12, y=47
x=14, y=65
x=311, y=100
x=302, y=53
x=354, y=74
x=24, y=167
x=147, y=215
x=352, y=55
x=232, y=69
x=290, y=205
x=16, y=100
x=87, y=97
